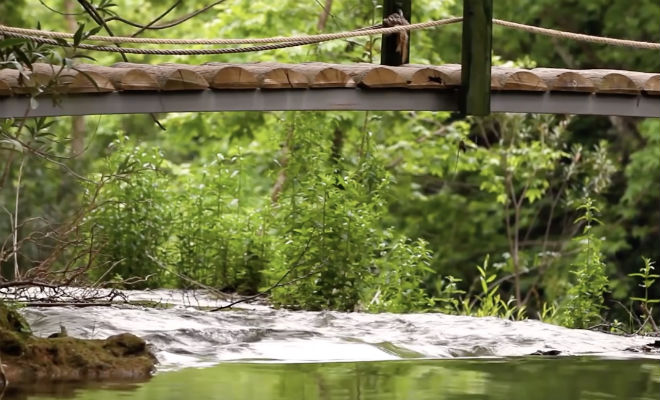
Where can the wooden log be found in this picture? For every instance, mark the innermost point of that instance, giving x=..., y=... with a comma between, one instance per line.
x=278, y=76
x=55, y=79
x=274, y=75
x=70, y=80
x=652, y=85
x=565, y=80
x=649, y=83
x=516, y=79
x=452, y=72
x=373, y=76
x=223, y=75
x=125, y=79
x=612, y=81
x=27, y=83
x=228, y=76
x=322, y=75
x=5, y=89
x=424, y=77
x=171, y=77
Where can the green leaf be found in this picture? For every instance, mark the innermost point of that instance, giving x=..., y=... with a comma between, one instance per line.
x=78, y=36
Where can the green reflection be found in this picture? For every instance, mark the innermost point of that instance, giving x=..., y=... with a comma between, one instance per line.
x=558, y=378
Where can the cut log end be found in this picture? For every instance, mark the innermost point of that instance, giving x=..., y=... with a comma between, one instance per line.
x=183, y=79
x=331, y=77
x=652, y=85
x=280, y=78
x=518, y=80
x=426, y=78
x=87, y=82
x=234, y=78
x=135, y=79
x=380, y=77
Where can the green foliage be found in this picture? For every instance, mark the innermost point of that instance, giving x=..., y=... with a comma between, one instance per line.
x=583, y=304
x=395, y=285
x=133, y=217
x=646, y=278
x=329, y=241
x=216, y=239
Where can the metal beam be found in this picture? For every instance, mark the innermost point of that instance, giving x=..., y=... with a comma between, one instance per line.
x=390, y=99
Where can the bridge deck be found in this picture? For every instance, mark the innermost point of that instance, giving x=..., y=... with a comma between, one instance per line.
x=139, y=88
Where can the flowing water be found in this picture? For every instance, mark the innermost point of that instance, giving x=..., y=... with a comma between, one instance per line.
x=256, y=352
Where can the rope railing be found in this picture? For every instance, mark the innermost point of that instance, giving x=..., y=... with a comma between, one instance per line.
x=277, y=42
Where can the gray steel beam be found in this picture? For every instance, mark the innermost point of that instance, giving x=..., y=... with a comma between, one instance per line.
x=326, y=99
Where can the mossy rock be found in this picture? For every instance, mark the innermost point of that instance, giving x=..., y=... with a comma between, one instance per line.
x=12, y=321
x=60, y=358
x=66, y=359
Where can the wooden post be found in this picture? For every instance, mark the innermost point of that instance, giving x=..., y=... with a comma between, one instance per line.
x=476, y=57
x=391, y=51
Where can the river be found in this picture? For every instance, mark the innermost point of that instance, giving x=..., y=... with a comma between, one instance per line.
x=258, y=352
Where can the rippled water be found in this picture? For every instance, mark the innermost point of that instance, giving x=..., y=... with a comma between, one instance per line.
x=184, y=336
x=277, y=354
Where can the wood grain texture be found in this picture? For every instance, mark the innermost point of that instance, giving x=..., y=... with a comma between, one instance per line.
x=516, y=79
x=171, y=77
x=564, y=80
x=86, y=78
x=612, y=81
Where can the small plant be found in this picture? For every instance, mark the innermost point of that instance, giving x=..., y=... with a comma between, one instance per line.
x=401, y=268
x=584, y=300
x=647, y=279
x=448, y=294
x=489, y=302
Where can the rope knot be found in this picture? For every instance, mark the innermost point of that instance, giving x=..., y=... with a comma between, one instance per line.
x=396, y=19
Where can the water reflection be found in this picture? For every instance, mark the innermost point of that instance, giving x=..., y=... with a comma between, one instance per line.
x=569, y=378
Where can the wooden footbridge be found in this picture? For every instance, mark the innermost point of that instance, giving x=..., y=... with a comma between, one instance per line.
x=475, y=88
x=136, y=88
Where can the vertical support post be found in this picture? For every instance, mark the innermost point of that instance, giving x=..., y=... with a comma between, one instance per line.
x=395, y=49
x=476, y=57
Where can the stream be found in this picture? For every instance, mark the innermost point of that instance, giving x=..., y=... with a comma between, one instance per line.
x=254, y=351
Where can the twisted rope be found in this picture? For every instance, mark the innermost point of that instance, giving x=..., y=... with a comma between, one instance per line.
x=8, y=30
x=278, y=42
x=171, y=52
x=578, y=36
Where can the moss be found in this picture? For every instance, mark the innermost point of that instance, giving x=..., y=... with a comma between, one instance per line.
x=12, y=321
x=61, y=358
x=125, y=345
x=122, y=356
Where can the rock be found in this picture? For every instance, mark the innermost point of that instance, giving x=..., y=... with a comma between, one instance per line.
x=546, y=353
x=28, y=359
x=125, y=344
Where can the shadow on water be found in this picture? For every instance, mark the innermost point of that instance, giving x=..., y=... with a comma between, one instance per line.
x=569, y=378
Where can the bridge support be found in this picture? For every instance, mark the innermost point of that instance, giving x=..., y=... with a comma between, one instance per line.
x=476, y=57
